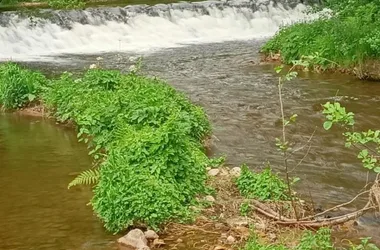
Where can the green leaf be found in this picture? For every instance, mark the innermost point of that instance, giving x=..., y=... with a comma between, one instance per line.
x=279, y=68
x=377, y=169
x=327, y=125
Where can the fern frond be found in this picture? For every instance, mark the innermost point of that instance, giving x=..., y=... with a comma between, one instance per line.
x=87, y=177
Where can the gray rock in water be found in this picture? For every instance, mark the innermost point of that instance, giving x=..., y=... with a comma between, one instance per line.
x=151, y=235
x=134, y=240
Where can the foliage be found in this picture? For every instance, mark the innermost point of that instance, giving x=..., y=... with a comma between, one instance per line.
x=56, y=4
x=264, y=185
x=19, y=86
x=309, y=241
x=244, y=208
x=66, y=4
x=368, y=142
x=347, y=38
x=87, y=177
x=148, y=138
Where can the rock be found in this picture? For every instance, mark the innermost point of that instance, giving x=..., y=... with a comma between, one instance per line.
x=135, y=239
x=243, y=231
x=151, y=235
x=179, y=240
x=158, y=243
x=235, y=171
x=209, y=198
x=238, y=222
x=231, y=239
x=93, y=66
x=213, y=172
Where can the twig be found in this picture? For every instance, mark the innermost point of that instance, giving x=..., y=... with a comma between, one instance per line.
x=336, y=207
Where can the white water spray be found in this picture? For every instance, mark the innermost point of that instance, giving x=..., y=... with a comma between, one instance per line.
x=19, y=40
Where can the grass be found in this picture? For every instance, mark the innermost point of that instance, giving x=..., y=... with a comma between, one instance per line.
x=349, y=38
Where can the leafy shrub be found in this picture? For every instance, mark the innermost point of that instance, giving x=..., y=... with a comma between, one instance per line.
x=264, y=185
x=19, y=86
x=149, y=137
x=350, y=37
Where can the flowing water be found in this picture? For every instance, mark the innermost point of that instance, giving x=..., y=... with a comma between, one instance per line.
x=209, y=50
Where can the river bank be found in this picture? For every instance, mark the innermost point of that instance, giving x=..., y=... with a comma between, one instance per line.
x=343, y=38
x=226, y=215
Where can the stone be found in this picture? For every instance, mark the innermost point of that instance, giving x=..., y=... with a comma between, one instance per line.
x=158, y=243
x=231, y=239
x=213, y=172
x=209, y=198
x=151, y=235
x=235, y=171
x=134, y=240
x=238, y=222
x=179, y=240
x=243, y=231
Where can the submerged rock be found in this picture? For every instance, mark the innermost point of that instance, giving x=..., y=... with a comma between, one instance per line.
x=134, y=240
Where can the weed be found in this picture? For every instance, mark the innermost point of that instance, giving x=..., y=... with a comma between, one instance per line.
x=19, y=86
x=264, y=185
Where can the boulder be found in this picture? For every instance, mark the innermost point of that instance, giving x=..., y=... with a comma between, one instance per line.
x=134, y=240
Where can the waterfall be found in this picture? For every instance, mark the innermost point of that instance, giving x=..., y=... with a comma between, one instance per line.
x=140, y=28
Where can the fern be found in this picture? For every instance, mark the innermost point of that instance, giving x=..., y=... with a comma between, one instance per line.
x=87, y=177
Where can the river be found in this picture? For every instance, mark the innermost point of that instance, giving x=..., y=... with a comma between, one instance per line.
x=218, y=69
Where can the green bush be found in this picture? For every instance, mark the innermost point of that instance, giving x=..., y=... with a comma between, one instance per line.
x=19, y=86
x=264, y=185
x=149, y=138
x=350, y=37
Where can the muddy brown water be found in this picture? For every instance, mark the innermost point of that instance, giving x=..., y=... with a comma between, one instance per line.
x=240, y=97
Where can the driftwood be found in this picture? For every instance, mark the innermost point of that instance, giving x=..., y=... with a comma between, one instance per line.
x=316, y=221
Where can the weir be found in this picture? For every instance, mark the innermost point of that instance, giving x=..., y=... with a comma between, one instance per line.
x=141, y=28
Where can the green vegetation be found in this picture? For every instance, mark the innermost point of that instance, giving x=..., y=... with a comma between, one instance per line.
x=348, y=38
x=367, y=142
x=320, y=240
x=56, y=4
x=264, y=185
x=19, y=86
x=145, y=137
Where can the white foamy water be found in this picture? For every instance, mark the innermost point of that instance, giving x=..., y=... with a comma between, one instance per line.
x=20, y=40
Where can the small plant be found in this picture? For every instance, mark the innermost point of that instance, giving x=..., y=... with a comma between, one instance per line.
x=263, y=186
x=244, y=208
x=18, y=86
x=367, y=142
